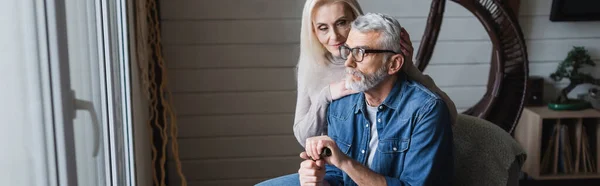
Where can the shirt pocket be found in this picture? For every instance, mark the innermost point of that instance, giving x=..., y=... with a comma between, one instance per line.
x=341, y=112
x=343, y=146
x=391, y=146
x=389, y=160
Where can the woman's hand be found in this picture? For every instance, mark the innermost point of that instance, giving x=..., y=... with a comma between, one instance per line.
x=406, y=44
x=339, y=90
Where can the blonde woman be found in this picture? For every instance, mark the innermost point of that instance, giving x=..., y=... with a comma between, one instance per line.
x=321, y=71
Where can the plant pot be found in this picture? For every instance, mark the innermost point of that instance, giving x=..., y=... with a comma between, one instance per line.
x=572, y=104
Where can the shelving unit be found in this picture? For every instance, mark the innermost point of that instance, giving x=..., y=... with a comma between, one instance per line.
x=560, y=144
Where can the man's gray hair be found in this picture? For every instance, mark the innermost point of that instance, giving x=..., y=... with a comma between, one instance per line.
x=388, y=27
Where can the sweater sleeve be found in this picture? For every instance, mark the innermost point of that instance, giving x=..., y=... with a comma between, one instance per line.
x=310, y=119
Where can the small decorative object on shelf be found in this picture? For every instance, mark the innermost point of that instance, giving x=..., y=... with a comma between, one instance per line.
x=593, y=96
x=569, y=68
x=535, y=91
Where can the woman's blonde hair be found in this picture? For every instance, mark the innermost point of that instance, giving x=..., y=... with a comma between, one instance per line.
x=313, y=56
x=311, y=50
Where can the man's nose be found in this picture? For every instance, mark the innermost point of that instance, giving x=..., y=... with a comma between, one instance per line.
x=350, y=62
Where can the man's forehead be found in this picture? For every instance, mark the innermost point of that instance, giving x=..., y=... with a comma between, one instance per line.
x=359, y=39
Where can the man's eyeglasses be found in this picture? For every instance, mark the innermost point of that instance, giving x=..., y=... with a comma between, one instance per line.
x=359, y=53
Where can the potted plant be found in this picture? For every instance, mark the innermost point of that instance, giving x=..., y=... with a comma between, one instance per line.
x=569, y=68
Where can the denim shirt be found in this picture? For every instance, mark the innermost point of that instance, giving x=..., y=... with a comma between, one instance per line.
x=415, y=136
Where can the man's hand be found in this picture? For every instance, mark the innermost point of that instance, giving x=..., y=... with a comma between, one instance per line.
x=311, y=172
x=314, y=146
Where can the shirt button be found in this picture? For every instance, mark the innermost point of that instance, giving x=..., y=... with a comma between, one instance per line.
x=367, y=125
x=395, y=149
x=380, y=107
x=362, y=151
x=379, y=120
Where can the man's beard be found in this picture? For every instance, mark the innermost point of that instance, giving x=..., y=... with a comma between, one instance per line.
x=367, y=81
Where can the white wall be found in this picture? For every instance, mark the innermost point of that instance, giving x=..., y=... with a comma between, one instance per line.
x=231, y=70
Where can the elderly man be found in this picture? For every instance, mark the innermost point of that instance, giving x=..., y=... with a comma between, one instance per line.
x=395, y=132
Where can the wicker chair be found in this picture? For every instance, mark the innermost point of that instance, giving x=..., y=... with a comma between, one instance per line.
x=504, y=99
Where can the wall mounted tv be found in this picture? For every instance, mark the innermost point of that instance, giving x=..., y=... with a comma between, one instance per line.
x=575, y=10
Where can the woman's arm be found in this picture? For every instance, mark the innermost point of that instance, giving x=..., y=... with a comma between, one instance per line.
x=310, y=116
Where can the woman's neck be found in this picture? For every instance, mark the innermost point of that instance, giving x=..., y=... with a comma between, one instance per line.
x=336, y=60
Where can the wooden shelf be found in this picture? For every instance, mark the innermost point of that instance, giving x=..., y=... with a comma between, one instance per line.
x=539, y=132
x=545, y=112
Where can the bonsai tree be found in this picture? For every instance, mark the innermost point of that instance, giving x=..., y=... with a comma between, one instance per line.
x=569, y=68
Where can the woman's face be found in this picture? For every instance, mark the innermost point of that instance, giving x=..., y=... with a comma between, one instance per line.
x=331, y=24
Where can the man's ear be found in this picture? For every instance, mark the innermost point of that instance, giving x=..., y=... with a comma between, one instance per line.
x=395, y=64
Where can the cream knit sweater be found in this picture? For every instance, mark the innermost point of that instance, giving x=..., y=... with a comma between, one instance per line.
x=313, y=98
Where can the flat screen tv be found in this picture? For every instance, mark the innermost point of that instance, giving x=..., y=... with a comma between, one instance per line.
x=575, y=10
